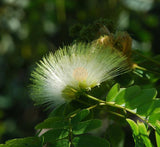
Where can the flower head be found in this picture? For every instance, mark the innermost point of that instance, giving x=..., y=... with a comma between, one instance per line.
x=62, y=76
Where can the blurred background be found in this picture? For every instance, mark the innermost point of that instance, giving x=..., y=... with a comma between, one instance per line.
x=31, y=28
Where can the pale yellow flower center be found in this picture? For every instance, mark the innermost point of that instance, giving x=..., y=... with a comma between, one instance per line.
x=80, y=74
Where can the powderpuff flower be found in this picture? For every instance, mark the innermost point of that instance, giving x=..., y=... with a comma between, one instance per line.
x=62, y=76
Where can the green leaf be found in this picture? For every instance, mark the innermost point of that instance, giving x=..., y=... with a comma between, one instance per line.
x=134, y=97
x=140, y=133
x=157, y=133
x=158, y=127
x=90, y=141
x=64, y=111
x=131, y=93
x=157, y=138
x=59, y=111
x=53, y=122
x=147, y=108
x=24, y=142
x=55, y=134
x=60, y=143
x=133, y=126
x=113, y=92
x=137, y=139
x=120, y=96
x=74, y=112
x=155, y=105
x=80, y=116
x=144, y=134
x=86, y=126
x=126, y=95
x=155, y=116
x=145, y=96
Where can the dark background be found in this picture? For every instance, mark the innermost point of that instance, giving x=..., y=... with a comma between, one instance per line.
x=31, y=28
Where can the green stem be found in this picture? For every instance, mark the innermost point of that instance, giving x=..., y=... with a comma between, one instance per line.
x=93, y=98
x=145, y=69
x=92, y=107
x=70, y=133
x=98, y=100
x=117, y=114
x=82, y=102
x=112, y=104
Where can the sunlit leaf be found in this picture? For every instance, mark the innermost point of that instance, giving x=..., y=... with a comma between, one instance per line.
x=140, y=133
x=144, y=134
x=120, y=96
x=113, y=92
x=155, y=116
x=134, y=127
x=157, y=139
x=158, y=127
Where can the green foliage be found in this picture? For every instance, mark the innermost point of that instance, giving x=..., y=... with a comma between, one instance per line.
x=61, y=128
x=60, y=143
x=157, y=133
x=86, y=126
x=24, y=142
x=112, y=93
x=141, y=101
x=140, y=134
x=69, y=126
x=88, y=140
x=79, y=116
x=29, y=29
x=53, y=122
x=52, y=136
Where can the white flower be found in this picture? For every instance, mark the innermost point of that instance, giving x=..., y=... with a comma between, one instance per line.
x=73, y=69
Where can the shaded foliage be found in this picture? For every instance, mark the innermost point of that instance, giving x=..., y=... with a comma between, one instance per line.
x=29, y=29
